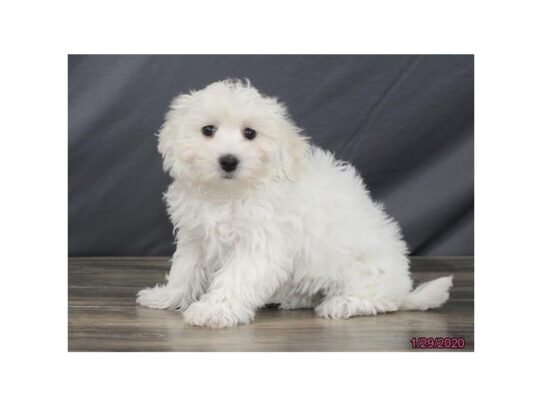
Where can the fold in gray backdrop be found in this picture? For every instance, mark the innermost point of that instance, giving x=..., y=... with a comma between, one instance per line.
x=405, y=122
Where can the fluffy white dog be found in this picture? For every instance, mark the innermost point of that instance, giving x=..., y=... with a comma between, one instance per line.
x=261, y=216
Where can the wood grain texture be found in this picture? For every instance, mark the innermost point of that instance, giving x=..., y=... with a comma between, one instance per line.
x=103, y=315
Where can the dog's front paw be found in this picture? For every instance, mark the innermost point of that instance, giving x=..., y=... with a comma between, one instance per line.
x=213, y=315
x=162, y=297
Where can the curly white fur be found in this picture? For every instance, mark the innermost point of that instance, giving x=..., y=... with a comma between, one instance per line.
x=290, y=225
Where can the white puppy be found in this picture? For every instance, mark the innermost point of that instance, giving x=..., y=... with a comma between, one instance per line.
x=263, y=217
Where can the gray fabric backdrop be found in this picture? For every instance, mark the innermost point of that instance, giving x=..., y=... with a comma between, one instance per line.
x=405, y=121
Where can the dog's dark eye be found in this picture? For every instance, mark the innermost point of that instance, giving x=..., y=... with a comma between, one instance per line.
x=208, y=131
x=249, y=133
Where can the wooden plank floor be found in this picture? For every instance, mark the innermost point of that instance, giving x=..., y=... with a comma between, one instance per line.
x=103, y=315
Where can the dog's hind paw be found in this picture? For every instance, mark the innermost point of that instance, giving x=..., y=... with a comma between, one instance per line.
x=343, y=307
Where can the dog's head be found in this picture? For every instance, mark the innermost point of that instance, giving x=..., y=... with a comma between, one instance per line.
x=230, y=136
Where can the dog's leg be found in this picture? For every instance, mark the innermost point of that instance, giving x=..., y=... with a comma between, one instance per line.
x=362, y=291
x=243, y=285
x=345, y=306
x=185, y=281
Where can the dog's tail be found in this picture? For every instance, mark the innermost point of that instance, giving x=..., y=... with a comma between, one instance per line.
x=431, y=294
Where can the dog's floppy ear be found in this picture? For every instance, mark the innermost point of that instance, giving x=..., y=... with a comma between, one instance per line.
x=294, y=148
x=170, y=131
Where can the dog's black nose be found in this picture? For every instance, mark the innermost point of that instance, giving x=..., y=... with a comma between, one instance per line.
x=228, y=162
